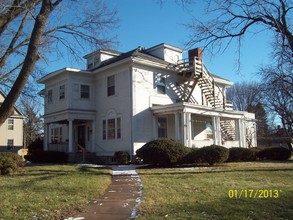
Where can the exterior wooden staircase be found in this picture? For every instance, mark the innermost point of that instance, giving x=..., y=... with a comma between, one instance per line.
x=194, y=72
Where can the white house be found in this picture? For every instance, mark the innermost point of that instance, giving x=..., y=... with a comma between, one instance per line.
x=124, y=100
x=11, y=132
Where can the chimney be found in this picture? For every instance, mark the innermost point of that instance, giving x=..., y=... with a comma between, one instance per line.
x=196, y=52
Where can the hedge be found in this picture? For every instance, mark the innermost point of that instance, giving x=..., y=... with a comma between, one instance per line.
x=274, y=153
x=162, y=152
x=240, y=154
x=47, y=157
x=9, y=163
x=212, y=154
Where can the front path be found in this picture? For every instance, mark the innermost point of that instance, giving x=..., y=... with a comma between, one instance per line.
x=120, y=200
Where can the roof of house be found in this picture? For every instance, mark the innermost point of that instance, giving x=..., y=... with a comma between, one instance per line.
x=138, y=52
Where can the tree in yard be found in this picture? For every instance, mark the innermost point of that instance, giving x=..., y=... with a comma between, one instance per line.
x=31, y=29
x=244, y=94
x=233, y=19
x=33, y=123
x=261, y=117
x=278, y=94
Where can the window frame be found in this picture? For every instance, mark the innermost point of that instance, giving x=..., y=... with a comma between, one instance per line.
x=111, y=128
x=160, y=83
x=10, y=145
x=111, y=85
x=62, y=92
x=56, y=135
x=50, y=96
x=10, y=124
x=162, y=128
x=82, y=92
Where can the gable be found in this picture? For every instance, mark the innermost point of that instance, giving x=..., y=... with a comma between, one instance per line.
x=2, y=98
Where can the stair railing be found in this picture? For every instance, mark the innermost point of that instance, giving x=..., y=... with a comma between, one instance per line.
x=83, y=150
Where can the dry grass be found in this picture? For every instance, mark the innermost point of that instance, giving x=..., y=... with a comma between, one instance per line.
x=50, y=192
x=202, y=192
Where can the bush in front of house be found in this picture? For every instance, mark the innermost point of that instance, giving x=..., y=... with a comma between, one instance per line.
x=162, y=152
x=274, y=153
x=240, y=154
x=122, y=157
x=212, y=154
x=39, y=156
x=9, y=163
x=191, y=157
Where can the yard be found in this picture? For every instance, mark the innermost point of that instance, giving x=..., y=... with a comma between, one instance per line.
x=265, y=190
x=50, y=192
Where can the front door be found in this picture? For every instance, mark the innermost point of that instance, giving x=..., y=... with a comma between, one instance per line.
x=81, y=136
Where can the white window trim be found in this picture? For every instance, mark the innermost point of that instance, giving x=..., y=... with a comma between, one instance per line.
x=10, y=124
x=115, y=83
x=107, y=129
x=82, y=98
x=64, y=95
x=165, y=128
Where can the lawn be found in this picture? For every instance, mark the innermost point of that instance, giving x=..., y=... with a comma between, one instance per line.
x=50, y=192
x=203, y=193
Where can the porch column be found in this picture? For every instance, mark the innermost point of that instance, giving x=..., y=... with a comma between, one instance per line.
x=177, y=138
x=46, y=136
x=184, y=128
x=94, y=136
x=70, y=136
x=216, y=130
x=188, y=127
x=241, y=133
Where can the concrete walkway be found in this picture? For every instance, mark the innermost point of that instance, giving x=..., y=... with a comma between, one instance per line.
x=120, y=200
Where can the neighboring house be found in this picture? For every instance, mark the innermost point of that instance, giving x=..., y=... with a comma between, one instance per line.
x=11, y=132
x=124, y=100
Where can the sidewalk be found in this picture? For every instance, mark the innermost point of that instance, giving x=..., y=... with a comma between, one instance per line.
x=120, y=200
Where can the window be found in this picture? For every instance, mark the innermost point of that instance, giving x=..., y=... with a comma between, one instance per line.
x=50, y=96
x=62, y=92
x=162, y=127
x=84, y=91
x=111, y=85
x=112, y=129
x=160, y=83
x=10, y=144
x=10, y=124
x=56, y=135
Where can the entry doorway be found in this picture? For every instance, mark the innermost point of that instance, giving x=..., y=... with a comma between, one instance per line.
x=81, y=135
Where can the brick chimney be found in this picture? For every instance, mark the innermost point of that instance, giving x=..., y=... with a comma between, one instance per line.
x=196, y=52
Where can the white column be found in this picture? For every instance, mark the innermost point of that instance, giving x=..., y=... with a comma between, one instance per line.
x=188, y=129
x=216, y=130
x=93, y=136
x=46, y=136
x=70, y=136
x=184, y=128
x=241, y=132
x=177, y=126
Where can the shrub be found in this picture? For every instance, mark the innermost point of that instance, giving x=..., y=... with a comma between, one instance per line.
x=122, y=157
x=212, y=154
x=37, y=144
x=47, y=157
x=162, y=152
x=238, y=154
x=191, y=157
x=274, y=153
x=9, y=163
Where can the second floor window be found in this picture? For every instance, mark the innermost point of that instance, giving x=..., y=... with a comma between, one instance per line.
x=62, y=92
x=10, y=124
x=50, y=96
x=160, y=83
x=111, y=85
x=84, y=91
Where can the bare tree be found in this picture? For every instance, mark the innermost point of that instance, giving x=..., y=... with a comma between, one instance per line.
x=278, y=93
x=31, y=29
x=244, y=94
x=232, y=19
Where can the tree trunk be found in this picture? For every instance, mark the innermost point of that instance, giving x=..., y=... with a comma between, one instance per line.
x=31, y=57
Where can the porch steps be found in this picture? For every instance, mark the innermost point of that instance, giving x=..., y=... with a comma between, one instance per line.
x=79, y=158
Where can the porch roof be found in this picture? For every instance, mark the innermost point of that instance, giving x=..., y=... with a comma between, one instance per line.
x=184, y=107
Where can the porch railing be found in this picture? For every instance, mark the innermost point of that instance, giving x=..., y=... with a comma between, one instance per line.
x=60, y=147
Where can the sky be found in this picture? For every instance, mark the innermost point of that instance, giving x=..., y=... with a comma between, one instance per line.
x=147, y=23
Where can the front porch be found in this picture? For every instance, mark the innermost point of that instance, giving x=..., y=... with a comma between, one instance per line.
x=198, y=126
x=70, y=133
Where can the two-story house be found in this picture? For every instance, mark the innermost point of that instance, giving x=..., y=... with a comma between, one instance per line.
x=11, y=131
x=124, y=100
